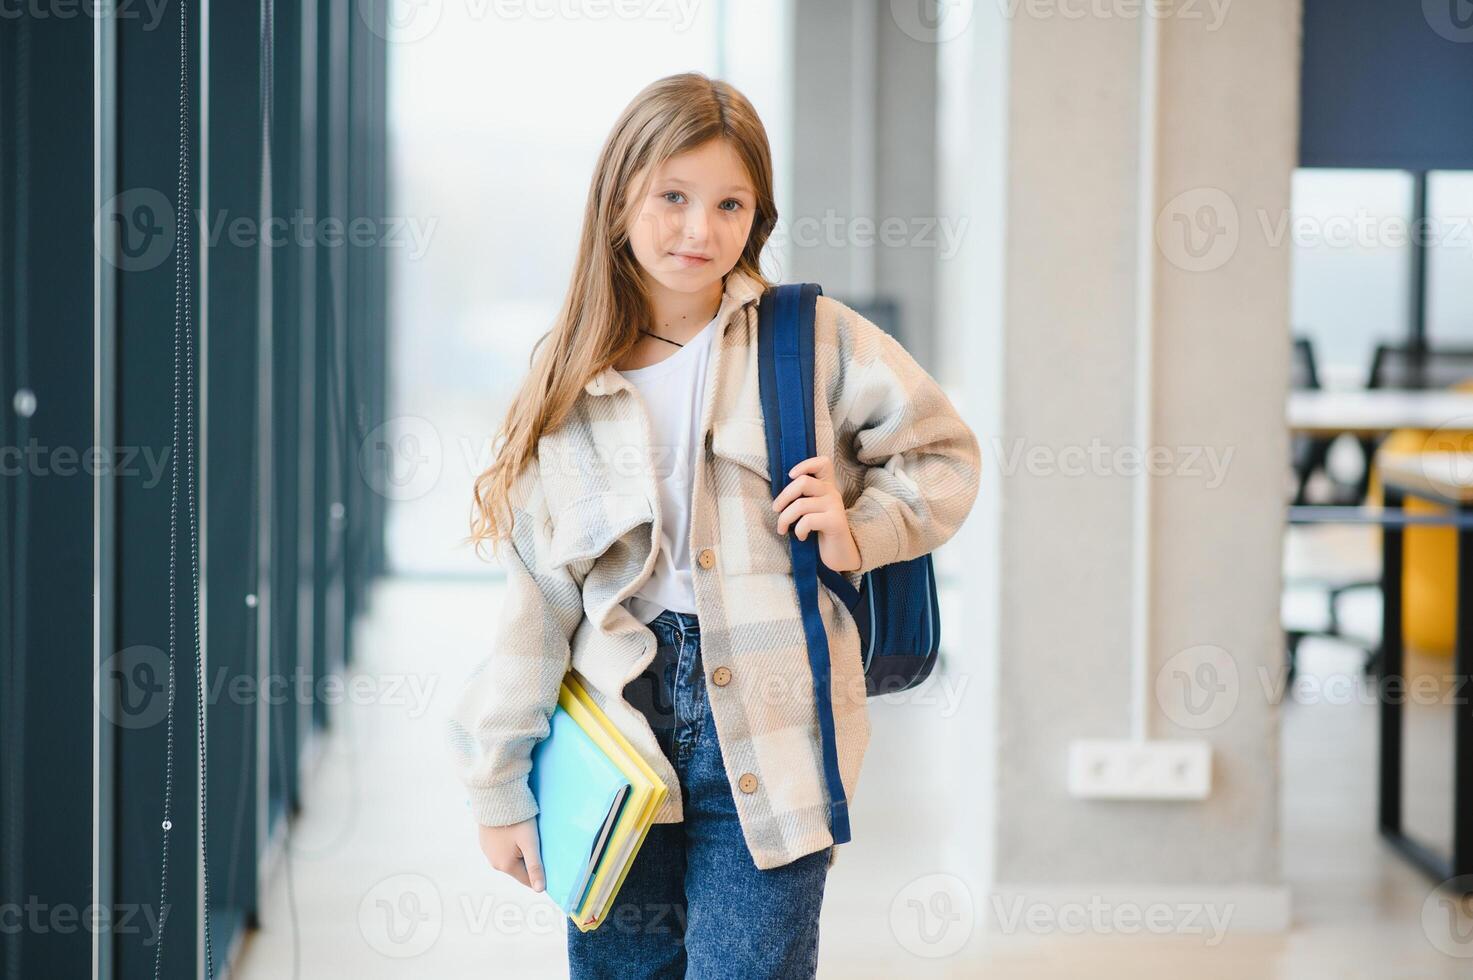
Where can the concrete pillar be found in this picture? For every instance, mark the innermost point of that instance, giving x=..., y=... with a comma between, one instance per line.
x=1045, y=315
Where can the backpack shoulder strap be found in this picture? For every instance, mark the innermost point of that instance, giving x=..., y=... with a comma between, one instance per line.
x=785, y=374
x=793, y=307
x=785, y=357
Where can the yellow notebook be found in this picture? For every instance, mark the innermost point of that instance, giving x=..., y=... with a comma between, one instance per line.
x=647, y=794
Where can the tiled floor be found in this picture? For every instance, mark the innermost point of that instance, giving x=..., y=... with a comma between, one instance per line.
x=388, y=882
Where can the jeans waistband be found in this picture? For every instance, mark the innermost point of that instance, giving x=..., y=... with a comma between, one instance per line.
x=682, y=621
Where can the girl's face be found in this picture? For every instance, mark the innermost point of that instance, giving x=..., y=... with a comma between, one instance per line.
x=691, y=227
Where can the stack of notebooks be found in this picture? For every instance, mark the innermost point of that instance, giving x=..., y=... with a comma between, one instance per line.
x=596, y=801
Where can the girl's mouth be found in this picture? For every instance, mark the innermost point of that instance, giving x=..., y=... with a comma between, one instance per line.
x=690, y=261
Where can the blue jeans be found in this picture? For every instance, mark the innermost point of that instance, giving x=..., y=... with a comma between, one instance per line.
x=694, y=903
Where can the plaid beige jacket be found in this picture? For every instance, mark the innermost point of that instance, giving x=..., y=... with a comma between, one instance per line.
x=585, y=520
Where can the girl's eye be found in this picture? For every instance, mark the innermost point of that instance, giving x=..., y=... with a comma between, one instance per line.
x=677, y=194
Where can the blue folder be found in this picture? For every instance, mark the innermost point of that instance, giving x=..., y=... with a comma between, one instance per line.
x=579, y=792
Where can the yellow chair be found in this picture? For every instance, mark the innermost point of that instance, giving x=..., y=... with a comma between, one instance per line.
x=1430, y=557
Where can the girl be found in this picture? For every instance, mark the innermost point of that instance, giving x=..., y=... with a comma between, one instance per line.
x=648, y=553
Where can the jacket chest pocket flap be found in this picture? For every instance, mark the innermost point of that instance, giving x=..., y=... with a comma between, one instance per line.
x=590, y=524
x=743, y=441
x=751, y=542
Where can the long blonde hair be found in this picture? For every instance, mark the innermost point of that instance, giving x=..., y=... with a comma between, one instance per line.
x=606, y=303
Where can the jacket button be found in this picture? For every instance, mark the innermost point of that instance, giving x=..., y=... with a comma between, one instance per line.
x=748, y=783
x=722, y=676
x=706, y=558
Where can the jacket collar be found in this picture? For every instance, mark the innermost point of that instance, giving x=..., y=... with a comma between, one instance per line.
x=741, y=289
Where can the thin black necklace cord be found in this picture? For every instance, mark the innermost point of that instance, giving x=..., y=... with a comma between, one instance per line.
x=665, y=339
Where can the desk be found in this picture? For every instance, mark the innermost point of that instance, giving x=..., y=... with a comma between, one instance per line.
x=1376, y=411
x=1446, y=478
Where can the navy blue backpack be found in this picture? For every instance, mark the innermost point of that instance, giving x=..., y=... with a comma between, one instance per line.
x=895, y=605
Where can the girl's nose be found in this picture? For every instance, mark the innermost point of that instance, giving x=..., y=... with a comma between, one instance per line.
x=696, y=224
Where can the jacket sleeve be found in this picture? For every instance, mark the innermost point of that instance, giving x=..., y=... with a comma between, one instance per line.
x=920, y=462
x=505, y=707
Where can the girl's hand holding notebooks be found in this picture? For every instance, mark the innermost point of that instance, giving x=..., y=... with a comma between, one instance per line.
x=514, y=850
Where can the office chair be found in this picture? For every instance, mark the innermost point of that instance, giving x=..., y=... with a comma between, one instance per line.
x=1395, y=366
x=1308, y=454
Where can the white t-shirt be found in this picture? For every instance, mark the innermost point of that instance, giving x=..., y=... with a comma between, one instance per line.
x=673, y=391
